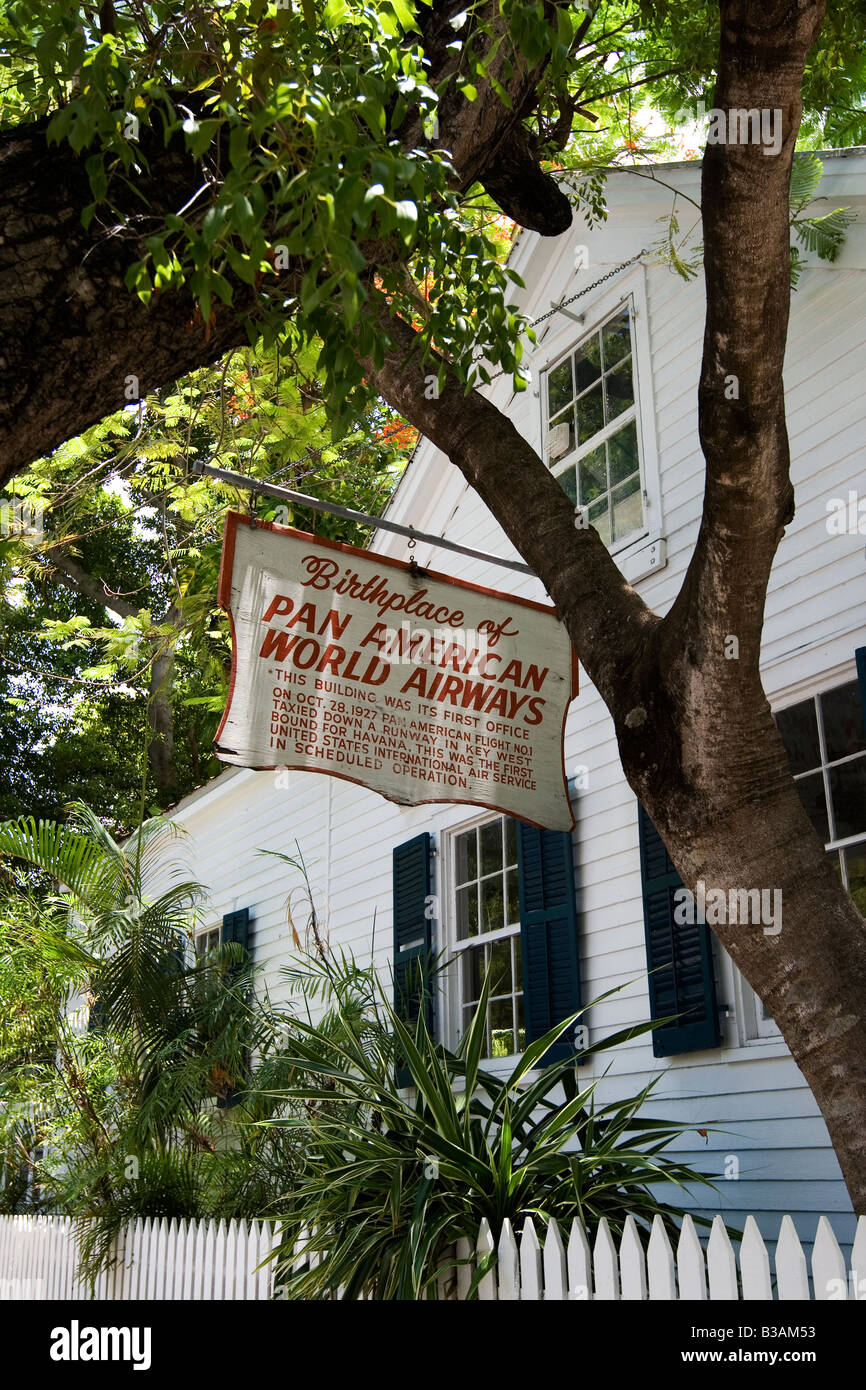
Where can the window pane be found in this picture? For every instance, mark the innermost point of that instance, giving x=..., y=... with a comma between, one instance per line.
x=510, y=841
x=811, y=791
x=590, y=414
x=855, y=864
x=599, y=517
x=843, y=721
x=500, y=966
x=502, y=1027
x=521, y=1026
x=466, y=857
x=622, y=451
x=568, y=483
x=467, y=1016
x=491, y=846
x=799, y=729
x=848, y=793
x=511, y=880
x=472, y=962
x=620, y=390
x=587, y=363
x=518, y=964
x=467, y=912
x=627, y=509
x=492, y=904
x=593, y=475
x=617, y=338
x=559, y=389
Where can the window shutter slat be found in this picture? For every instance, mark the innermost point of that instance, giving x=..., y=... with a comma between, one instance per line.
x=548, y=934
x=679, y=957
x=413, y=938
x=860, y=657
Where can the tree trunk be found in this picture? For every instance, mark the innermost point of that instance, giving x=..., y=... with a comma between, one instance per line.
x=160, y=716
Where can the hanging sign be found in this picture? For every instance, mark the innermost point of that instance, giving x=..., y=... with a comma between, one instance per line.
x=414, y=684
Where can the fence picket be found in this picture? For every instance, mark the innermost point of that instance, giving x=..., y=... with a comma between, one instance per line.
x=721, y=1264
x=555, y=1273
x=579, y=1264
x=632, y=1266
x=792, y=1276
x=690, y=1264
x=828, y=1265
x=755, y=1265
x=660, y=1264
x=530, y=1263
x=858, y=1262
x=605, y=1263
x=507, y=1264
x=485, y=1247
x=233, y=1253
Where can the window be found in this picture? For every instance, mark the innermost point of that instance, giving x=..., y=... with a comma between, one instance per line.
x=592, y=428
x=487, y=932
x=208, y=939
x=825, y=740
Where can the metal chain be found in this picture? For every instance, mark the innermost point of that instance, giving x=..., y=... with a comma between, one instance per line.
x=595, y=284
x=563, y=304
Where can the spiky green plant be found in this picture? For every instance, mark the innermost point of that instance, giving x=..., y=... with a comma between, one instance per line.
x=390, y=1179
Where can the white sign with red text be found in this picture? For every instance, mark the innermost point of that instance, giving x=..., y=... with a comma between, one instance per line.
x=414, y=684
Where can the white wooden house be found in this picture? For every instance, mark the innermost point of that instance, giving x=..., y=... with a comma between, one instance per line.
x=626, y=447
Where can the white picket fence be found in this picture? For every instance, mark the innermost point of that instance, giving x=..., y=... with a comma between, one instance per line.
x=155, y=1260
x=570, y=1270
x=228, y=1260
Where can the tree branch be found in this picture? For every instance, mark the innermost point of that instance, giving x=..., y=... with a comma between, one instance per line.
x=73, y=576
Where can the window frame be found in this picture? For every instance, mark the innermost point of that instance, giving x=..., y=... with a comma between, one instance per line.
x=455, y=948
x=553, y=349
x=203, y=932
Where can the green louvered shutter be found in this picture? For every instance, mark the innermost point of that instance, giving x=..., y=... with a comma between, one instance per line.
x=548, y=934
x=860, y=656
x=413, y=940
x=236, y=927
x=679, y=957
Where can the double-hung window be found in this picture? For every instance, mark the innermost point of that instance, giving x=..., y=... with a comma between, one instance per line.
x=593, y=443
x=487, y=932
x=825, y=740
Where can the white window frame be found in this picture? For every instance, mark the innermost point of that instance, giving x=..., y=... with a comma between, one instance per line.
x=643, y=552
x=452, y=1014
x=202, y=934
